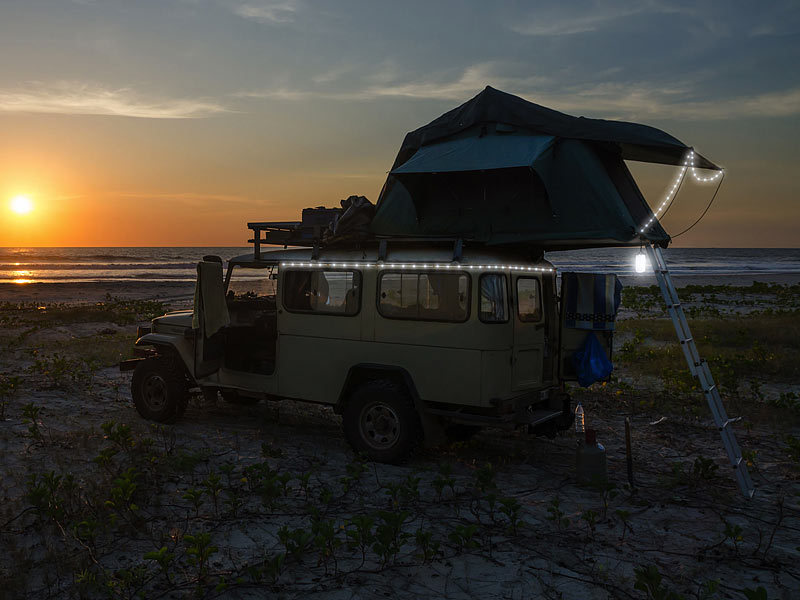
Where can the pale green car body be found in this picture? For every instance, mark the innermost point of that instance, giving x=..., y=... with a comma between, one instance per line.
x=506, y=374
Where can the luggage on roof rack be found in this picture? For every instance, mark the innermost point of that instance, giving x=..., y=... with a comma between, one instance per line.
x=351, y=222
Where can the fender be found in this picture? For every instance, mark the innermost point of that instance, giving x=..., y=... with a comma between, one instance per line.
x=181, y=346
x=365, y=371
x=157, y=339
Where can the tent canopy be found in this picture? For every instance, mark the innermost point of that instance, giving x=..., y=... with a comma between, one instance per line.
x=634, y=141
x=501, y=170
x=477, y=153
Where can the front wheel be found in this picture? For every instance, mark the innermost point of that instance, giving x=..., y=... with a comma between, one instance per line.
x=380, y=421
x=159, y=390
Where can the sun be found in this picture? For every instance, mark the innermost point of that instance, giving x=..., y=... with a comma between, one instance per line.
x=21, y=205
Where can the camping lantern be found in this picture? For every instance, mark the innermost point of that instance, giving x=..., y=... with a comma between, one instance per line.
x=640, y=263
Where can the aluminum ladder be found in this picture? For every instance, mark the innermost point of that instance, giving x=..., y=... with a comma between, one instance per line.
x=699, y=369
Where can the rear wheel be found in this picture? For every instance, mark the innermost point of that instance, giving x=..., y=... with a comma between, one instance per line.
x=159, y=390
x=380, y=421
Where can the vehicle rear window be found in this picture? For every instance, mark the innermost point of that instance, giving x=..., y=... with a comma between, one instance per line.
x=529, y=299
x=424, y=296
x=494, y=298
x=323, y=292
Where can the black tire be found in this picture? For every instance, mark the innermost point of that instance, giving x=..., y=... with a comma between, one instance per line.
x=459, y=432
x=379, y=421
x=159, y=390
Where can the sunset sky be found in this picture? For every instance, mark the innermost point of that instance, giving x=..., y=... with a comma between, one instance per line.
x=174, y=122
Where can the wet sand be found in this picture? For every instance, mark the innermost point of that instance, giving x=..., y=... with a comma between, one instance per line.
x=90, y=292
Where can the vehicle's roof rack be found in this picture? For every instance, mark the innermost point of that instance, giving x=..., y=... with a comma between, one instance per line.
x=309, y=233
x=305, y=233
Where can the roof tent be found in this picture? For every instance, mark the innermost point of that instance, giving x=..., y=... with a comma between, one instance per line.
x=501, y=170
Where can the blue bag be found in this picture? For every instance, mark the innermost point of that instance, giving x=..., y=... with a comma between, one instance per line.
x=590, y=362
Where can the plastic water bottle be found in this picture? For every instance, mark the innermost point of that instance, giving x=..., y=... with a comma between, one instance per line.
x=580, y=425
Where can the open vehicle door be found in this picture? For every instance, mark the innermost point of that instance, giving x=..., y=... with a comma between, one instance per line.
x=210, y=318
x=589, y=303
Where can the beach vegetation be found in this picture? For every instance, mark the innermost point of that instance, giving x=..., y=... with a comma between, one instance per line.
x=150, y=510
x=556, y=515
x=111, y=310
x=31, y=417
x=60, y=372
x=9, y=388
x=650, y=581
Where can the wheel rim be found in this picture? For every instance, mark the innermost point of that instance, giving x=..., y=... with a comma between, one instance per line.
x=154, y=392
x=379, y=425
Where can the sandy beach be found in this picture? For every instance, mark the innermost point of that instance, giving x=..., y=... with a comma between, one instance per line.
x=95, y=291
x=499, y=516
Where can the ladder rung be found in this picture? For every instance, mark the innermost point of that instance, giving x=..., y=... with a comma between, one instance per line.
x=729, y=422
x=700, y=369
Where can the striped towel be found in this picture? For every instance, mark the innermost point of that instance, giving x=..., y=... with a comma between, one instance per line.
x=590, y=300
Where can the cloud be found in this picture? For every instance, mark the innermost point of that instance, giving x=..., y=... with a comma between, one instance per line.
x=191, y=199
x=570, y=24
x=623, y=101
x=332, y=74
x=267, y=11
x=472, y=80
x=627, y=101
x=583, y=17
x=83, y=99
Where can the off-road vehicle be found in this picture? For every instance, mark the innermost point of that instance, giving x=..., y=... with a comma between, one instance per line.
x=405, y=339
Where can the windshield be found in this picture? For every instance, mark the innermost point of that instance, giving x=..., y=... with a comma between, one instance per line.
x=252, y=283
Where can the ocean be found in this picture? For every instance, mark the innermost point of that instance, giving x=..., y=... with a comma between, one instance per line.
x=83, y=265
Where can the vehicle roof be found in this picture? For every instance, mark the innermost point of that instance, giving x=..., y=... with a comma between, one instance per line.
x=411, y=253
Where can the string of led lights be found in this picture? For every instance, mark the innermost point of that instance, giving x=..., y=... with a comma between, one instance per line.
x=688, y=164
x=421, y=266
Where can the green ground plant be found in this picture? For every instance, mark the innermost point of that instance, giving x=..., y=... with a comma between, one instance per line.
x=62, y=372
x=650, y=581
x=320, y=528
x=200, y=549
x=31, y=417
x=9, y=388
x=556, y=515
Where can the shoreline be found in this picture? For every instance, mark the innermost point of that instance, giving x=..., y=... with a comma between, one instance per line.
x=91, y=292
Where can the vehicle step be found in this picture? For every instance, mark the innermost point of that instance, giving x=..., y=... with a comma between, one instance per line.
x=509, y=421
x=537, y=417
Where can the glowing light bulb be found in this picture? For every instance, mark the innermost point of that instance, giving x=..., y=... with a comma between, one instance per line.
x=640, y=263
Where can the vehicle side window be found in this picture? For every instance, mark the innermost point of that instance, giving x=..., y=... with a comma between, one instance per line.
x=529, y=299
x=323, y=292
x=424, y=296
x=494, y=298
